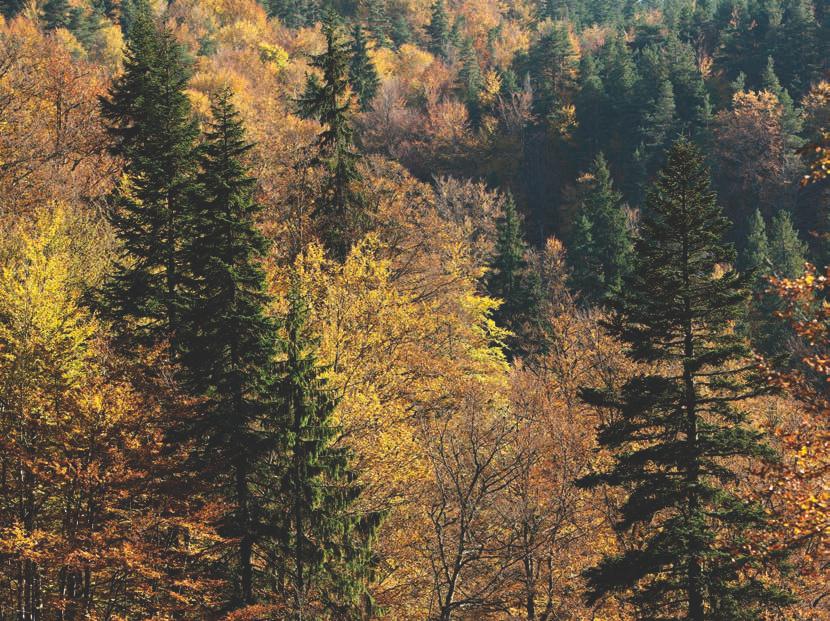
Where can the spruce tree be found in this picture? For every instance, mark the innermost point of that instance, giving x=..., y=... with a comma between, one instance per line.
x=754, y=259
x=378, y=22
x=586, y=273
x=439, y=30
x=677, y=427
x=659, y=125
x=325, y=544
x=153, y=132
x=512, y=280
x=340, y=209
x=362, y=73
x=470, y=81
x=229, y=341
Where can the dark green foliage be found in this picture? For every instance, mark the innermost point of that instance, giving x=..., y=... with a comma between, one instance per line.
x=755, y=256
x=362, y=73
x=659, y=126
x=230, y=343
x=798, y=46
x=57, y=14
x=340, y=209
x=295, y=13
x=675, y=429
x=787, y=252
x=470, y=80
x=438, y=30
x=552, y=63
x=602, y=241
x=378, y=22
x=512, y=280
x=791, y=123
x=325, y=544
x=10, y=8
x=153, y=132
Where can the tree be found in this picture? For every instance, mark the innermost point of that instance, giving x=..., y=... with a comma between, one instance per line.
x=340, y=207
x=153, y=131
x=470, y=81
x=787, y=252
x=603, y=241
x=439, y=31
x=229, y=342
x=791, y=123
x=675, y=428
x=511, y=279
x=754, y=259
x=57, y=14
x=658, y=125
x=325, y=545
x=362, y=73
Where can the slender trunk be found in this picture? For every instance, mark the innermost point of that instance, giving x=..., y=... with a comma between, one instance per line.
x=694, y=571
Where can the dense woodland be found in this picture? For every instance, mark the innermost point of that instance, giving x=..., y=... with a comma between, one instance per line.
x=414, y=309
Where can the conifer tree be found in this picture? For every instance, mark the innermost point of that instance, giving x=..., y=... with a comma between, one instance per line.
x=325, y=544
x=787, y=252
x=610, y=249
x=57, y=14
x=153, y=131
x=378, y=22
x=230, y=342
x=439, y=30
x=340, y=209
x=362, y=73
x=586, y=273
x=754, y=259
x=470, y=80
x=791, y=122
x=678, y=427
x=785, y=256
x=659, y=124
x=511, y=278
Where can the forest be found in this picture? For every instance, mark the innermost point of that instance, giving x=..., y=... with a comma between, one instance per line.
x=440, y=310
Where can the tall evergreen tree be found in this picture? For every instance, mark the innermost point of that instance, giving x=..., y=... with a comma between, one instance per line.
x=439, y=30
x=325, y=543
x=470, y=80
x=798, y=46
x=153, y=132
x=754, y=259
x=57, y=14
x=791, y=122
x=512, y=280
x=362, y=73
x=378, y=22
x=658, y=126
x=610, y=247
x=586, y=272
x=340, y=209
x=230, y=342
x=677, y=427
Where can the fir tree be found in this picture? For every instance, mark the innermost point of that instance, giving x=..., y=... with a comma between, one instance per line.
x=678, y=427
x=340, y=209
x=325, y=543
x=610, y=247
x=439, y=30
x=153, y=131
x=511, y=279
x=362, y=73
x=586, y=272
x=470, y=80
x=57, y=14
x=230, y=342
x=659, y=125
x=787, y=252
x=754, y=259
x=791, y=122
x=785, y=256
x=378, y=22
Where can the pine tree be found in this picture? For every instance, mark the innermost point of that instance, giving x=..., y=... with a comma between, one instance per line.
x=153, y=131
x=610, y=247
x=362, y=73
x=439, y=30
x=677, y=426
x=511, y=278
x=229, y=342
x=325, y=543
x=340, y=209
